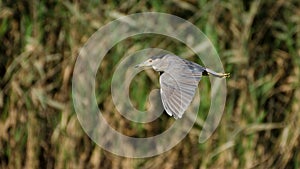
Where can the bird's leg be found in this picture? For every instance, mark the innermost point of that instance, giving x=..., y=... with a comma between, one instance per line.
x=220, y=75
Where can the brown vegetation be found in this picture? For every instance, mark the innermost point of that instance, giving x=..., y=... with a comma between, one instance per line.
x=259, y=44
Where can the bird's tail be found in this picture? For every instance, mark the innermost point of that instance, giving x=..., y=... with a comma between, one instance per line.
x=220, y=75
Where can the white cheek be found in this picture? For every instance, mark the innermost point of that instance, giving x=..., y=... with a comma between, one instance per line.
x=155, y=68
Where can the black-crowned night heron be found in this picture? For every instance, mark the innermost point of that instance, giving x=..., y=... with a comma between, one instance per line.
x=178, y=81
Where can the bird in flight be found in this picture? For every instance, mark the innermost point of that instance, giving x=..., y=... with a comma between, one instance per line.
x=178, y=80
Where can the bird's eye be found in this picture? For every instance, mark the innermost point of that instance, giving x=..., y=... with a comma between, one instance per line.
x=150, y=60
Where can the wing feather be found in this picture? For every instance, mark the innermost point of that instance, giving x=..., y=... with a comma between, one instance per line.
x=177, y=90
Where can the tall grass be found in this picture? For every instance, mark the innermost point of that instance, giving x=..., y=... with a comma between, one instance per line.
x=258, y=42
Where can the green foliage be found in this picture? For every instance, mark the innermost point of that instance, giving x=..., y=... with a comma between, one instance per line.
x=258, y=43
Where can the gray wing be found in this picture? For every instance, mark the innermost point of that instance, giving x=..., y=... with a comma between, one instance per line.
x=177, y=90
x=197, y=69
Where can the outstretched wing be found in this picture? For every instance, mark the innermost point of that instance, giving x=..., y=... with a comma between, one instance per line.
x=177, y=90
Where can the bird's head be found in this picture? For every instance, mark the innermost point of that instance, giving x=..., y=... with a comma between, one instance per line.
x=158, y=62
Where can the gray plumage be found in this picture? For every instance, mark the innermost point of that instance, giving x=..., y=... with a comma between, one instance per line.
x=178, y=81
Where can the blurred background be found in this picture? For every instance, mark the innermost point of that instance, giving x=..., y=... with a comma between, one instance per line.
x=258, y=43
